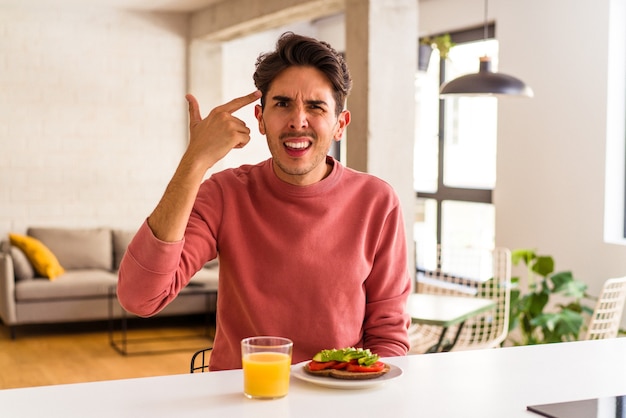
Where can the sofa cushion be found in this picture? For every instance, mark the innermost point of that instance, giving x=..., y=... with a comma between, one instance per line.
x=73, y=284
x=40, y=256
x=22, y=268
x=78, y=248
x=121, y=239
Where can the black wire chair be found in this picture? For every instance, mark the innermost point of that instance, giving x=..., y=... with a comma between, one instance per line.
x=200, y=361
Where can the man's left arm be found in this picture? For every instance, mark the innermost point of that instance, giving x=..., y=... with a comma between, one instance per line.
x=388, y=287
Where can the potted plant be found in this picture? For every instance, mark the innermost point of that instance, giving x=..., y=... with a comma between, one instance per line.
x=564, y=319
x=443, y=43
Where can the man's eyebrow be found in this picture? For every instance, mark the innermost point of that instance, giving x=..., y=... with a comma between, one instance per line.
x=317, y=102
x=279, y=98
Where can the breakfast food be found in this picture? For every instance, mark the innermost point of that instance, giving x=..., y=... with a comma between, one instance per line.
x=346, y=363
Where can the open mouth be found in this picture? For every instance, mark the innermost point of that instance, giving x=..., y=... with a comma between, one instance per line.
x=297, y=148
x=299, y=145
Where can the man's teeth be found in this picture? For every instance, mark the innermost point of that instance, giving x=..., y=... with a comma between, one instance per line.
x=297, y=145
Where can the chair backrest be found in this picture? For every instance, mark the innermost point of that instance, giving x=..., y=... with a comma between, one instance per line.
x=473, y=272
x=200, y=361
x=607, y=314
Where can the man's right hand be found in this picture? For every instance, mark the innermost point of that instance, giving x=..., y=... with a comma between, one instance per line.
x=211, y=138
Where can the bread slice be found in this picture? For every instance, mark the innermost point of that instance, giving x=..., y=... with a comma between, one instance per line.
x=346, y=375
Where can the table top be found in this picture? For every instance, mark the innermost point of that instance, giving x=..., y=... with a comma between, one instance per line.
x=445, y=310
x=486, y=383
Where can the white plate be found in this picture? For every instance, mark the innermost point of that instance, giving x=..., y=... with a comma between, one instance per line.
x=297, y=371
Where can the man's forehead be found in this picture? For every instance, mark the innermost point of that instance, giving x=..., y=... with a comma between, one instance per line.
x=303, y=83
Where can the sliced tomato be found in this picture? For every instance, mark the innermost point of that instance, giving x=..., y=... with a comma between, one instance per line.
x=376, y=367
x=321, y=365
x=339, y=365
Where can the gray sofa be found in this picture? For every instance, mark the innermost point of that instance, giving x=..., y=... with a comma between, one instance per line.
x=90, y=258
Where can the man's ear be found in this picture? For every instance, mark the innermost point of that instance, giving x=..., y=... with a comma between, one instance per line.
x=342, y=122
x=258, y=114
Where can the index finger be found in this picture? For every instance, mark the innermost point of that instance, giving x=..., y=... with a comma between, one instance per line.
x=240, y=102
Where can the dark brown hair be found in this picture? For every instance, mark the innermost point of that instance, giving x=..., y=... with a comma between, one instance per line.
x=292, y=49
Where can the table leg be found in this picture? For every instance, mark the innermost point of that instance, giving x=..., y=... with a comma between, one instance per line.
x=122, y=349
x=440, y=347
x=435, y=348
x=449, y=347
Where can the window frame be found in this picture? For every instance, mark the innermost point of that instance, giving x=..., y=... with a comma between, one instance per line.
x=444, y=192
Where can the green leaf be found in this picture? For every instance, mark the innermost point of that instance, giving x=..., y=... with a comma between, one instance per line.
x=515, y=295
x=565, y=283
x=588, y=310
x=570, y=323
x=561, y=279
x=535, y=302
x=568, y=326
x=543, y=266
x=574, y=307
x=559, y=326
x=546, y=320
x=525, y=255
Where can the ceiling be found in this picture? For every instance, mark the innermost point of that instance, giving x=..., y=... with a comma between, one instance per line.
x=152, y=5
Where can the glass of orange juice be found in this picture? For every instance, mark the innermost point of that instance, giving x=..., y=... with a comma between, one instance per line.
x=266, y=365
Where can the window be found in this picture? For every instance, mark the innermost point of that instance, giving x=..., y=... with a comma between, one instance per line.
x=455, y=152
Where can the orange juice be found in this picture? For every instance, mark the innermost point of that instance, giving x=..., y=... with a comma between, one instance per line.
x=266, y=374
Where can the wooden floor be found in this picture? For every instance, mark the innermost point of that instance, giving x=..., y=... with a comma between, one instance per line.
x=72, y=353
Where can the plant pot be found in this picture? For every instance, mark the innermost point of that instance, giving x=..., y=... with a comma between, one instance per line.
x=423, y=57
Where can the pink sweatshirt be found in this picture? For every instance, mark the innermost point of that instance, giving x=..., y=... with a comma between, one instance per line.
x=324, y=265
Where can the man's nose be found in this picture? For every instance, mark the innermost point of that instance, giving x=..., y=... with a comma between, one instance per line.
x=298, y=118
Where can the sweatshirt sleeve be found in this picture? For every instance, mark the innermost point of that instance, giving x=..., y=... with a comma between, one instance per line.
x=149, y=276
x=388, y=287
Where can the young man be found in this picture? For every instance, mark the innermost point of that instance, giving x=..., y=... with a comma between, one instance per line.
x=308, y=249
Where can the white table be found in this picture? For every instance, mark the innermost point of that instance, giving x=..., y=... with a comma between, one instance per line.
x=445, y=311
x=486, y=383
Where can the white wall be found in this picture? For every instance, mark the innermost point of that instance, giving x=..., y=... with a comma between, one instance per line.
x=550, y=192
x=552, y=154
x=93, y=118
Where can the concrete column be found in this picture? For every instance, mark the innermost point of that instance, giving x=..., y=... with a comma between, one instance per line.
x=205, y=78
x=381, y=51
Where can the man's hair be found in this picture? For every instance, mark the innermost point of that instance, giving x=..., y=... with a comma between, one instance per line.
x=298, y=50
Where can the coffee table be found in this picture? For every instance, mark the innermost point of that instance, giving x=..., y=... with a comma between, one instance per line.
x=119, y=335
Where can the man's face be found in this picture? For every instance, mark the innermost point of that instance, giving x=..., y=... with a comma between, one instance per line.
x=300, y=124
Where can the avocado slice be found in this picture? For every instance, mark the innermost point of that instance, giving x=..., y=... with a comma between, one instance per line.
x=363, y=356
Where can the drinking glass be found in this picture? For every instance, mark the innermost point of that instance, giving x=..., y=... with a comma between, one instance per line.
x=266, y=365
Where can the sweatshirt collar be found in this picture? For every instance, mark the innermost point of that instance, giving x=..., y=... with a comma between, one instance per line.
x=311, y=190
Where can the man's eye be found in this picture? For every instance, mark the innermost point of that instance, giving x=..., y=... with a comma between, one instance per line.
x=281, y=104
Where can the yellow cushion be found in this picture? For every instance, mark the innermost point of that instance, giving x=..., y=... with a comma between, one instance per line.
x=42, y=259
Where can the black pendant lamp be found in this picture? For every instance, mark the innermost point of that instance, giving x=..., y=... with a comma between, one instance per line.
x=486, y=82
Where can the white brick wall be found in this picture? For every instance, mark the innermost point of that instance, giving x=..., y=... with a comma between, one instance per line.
x=92, y=115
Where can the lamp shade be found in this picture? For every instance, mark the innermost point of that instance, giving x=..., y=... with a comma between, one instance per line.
x=486, y=83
